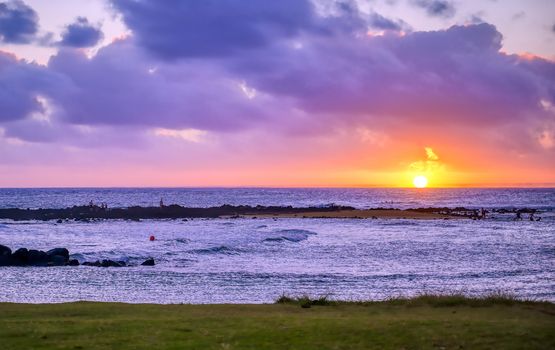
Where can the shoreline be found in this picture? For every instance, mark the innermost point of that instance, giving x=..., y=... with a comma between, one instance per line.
x=362, y=214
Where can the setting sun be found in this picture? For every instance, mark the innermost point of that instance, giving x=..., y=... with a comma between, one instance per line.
x=420, y=181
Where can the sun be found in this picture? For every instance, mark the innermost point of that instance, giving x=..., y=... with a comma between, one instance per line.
x=420, y=181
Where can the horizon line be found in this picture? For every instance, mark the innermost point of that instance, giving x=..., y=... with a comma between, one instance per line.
x=484, y=186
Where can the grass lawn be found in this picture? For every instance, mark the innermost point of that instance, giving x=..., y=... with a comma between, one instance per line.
x=421, y=323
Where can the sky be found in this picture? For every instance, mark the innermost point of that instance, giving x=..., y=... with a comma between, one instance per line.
x=289, y=93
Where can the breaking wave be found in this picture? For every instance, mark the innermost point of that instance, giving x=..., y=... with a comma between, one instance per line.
x=218, y=250
x=292, y=235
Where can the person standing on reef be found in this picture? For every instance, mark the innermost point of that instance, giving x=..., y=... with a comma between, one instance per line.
x=161, y=202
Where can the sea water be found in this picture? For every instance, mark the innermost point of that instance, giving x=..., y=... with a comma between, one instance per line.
x=257, y=260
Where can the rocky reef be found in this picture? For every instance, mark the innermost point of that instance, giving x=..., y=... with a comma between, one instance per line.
x=53, y=257
x=174, y=211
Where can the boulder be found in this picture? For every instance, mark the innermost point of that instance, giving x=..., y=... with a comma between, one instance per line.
x=148, y=262
x=20, y=256
x=5, y=251
x=111, y=263
x=37, y=258
x=5, y=260
x=73, y=262
x=57, y=260
x=91, y=263
x=58, y=251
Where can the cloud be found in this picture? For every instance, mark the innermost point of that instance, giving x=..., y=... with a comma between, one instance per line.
x=121, y=85
x=81, y=34
x=431, y=154
x=190, y=135
x=174, y=29
x=437, y=8
x=18, y=22
x=191, y=28
x=306, y=79
x=378, y=21
x=519, y=15
x=21, y=84
x=431, y=165
x=379, y=79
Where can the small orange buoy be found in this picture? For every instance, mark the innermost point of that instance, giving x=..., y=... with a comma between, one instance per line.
x=152, y=238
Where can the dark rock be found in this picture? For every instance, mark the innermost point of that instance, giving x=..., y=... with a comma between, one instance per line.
x=5, y=260
x=57, y=260
x=5, y=251
x=58, y=251
x=86, y=213
x=59, y=221
x=73, y=262
x=89, y=263
x=37, y=258
x=148, y=262
x=20, y=256
x=110, y=263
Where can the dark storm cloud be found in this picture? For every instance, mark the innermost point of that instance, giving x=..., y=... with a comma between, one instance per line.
x=438, y=8
x=18, y=22
x=81, y=34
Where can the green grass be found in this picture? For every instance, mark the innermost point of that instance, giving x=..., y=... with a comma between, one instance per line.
x=425, y=322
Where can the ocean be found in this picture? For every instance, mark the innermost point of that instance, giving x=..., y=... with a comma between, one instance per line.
x=257, y=260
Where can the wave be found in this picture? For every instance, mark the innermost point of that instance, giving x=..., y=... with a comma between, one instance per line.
x=400, y=222
x=291, y=235
x=218, y=250
x=547, y=251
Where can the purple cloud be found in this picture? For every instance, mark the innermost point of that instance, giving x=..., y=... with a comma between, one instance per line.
x=378, y=21
x=437, y=8
x=299, y=74
x=190, y=28
x=20, y=84
x=451, y=76
x=81, y=34
x=172, y=29
x=18, y=22
x=123, y=86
